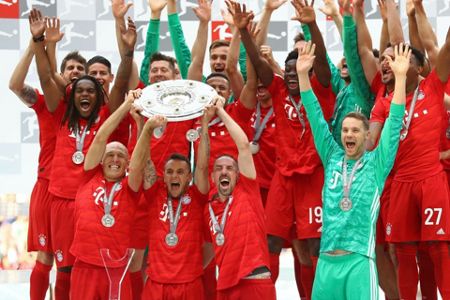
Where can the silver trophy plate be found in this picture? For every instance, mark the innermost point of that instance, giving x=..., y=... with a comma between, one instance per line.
x=177, y=100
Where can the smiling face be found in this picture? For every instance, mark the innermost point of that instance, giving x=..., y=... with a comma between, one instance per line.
x=291, y=77
x=353, y=137
x=388, y=77
x=218, y=58
x=115, y=161
x=160, y=70
x=102, y=74
x=344, y=69
x=177, y=175
x=221, y=85
x=262, y=93
x=225, y=175
x=73, y=70
x=85, y=97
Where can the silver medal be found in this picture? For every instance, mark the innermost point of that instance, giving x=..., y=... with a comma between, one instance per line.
x=345, y=204
x=78, y=157
x=254, y=147
x=220, y=239
x=185, y=200
x=158, y=132
x=108, y=220
x=171, y=239
x=192, y=135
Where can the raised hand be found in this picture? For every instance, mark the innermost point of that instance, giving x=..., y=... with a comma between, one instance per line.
x=304, y=11
x=52, y=30
x=274, y=4
x=306, y=58
x=37, y=23
x=219, y=102
x=254, y=30
x=128, y=35
x=227, y=17
x=133, y=95
x=358, y=4
x=208, y=113
x=329, y=8
x=120, y=8
x=241, y=18
x=155, y=122
x=400, y=64
x=383, y=9
x=266, y=52
x=157, y=5
x=346, y=6
x=203, y=11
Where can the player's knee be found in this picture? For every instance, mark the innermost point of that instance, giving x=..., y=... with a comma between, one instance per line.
x=44, y=258
x=275, y=244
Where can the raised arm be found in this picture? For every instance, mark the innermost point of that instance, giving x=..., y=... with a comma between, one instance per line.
x=203, y=13
x=180, y=47
x=384, y=38
x=49, y=87
x=269, y=7
x=323, y=139
x=235, y=77
x=140, y=156
x=17, y=85
x=152, y=38
x=241, y=19
x=119, y=10
x=368, y=60
x=426, y=33
x=331, y=10
x=128, y=40
x=245, y=157
x=248, y=94
x=97, y=148
x=443, y=60
x=306, y=15
x=201, y=168
x=53, y=35
x=394, y=24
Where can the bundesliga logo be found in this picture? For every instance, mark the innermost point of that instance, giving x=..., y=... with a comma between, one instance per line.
x=42, y=240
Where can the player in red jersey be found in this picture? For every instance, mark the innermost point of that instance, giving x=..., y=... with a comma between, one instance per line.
x=420, y=212
x=176, y=224
x=296, y=187
x=39, y=233
x=235, y=217
x=105, y=205
x=80, y=117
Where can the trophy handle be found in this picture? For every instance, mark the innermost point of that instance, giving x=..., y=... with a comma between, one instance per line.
x=116, y=274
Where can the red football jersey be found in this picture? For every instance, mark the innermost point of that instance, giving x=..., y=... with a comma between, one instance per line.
x=219, y=138
x=90, y=234
x=181, y=263
x=66, y=175
x=47, y=136
x=245, y=247
x=296, y=154
x=418, y=155
x=445, y=137
x=265, y=158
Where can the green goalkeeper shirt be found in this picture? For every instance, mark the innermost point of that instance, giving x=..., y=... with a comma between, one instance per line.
x=352, y=230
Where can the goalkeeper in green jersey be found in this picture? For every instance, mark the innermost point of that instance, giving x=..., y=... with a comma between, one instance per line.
x=354, y=180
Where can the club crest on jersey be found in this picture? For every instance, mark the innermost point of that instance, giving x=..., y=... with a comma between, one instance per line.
x=59, y=255
x=420, y=95
x=42, y=240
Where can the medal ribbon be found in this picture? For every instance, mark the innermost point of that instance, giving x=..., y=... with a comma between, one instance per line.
x=79, y=140
x=260, y=126
x=173, y=220
x=299, y=114
x=410, y=114
x=348, y=183
x=220, y=228
x=107, y=205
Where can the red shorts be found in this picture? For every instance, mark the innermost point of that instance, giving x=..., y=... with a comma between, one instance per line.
x=39, y=229
x=164, y=291
x=419, y=211
x=261, y=289
x=297, y=198
x=91, y=282
x=140, y=227
x=62, y=222
x=384, y=209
